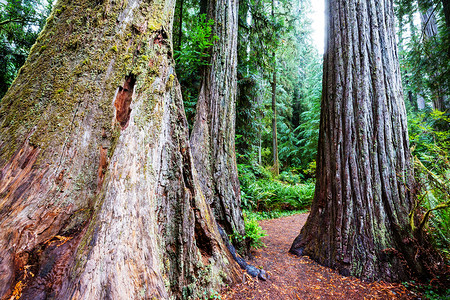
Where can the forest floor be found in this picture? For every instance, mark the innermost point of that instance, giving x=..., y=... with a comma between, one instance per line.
x=293, y=277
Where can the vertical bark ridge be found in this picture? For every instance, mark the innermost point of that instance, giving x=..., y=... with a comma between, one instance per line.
x=359, y=219
x=212, y=138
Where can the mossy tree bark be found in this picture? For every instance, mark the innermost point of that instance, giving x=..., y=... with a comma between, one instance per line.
x=98, y=194
x=213, y=134
x=364, y=192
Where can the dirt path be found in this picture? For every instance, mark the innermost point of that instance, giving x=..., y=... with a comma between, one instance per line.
x=293, y=277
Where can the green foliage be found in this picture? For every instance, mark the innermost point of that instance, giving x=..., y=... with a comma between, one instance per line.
x=431, y=150
x=429, y=69
x=275, y=195
x=285, y=36
x=311, y=170
x=309, y=109
x=432, y=294
x=20, y=23
x=194, y=53
x=268, y=215
x=424, y=54
x=253, y=232
x=191, y=58
x=260, y=192
x=291, y=177
x=429, y=291
x=425, y=66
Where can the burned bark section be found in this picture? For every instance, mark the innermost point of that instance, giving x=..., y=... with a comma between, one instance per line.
x=17, y=176
x=38, y=236
x=43, y=273
x=123, y=101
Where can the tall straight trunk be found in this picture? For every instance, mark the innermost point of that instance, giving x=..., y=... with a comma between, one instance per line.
x=213, y=134
x=276, y=167
x=364, y=192
x=259, y=148
x=98, y=194
x=430, y=30
x=446, y=8
x=180, y=5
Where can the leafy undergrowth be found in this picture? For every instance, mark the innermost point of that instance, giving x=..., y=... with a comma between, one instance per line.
x=429, y=291
x=267, y=197
x=253, y=232
x=430, y=142
x=262, y=192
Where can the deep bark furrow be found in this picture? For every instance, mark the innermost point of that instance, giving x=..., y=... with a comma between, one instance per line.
x=363, y=168
x=212, y=138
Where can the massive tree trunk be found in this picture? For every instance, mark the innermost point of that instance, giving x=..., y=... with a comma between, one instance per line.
x=213, y=134
x=364, y=192
x=98, y=197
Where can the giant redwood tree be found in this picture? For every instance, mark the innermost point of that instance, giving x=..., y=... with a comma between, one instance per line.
x=359, y=221
x=213, y=134
x=98, y=197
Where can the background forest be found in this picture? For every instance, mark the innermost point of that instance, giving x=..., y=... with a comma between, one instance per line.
x=276, y=52
x=279, y=95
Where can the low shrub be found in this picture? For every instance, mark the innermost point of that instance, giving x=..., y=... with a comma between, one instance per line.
x=253, y=231
x=269, y=195
x=431, y=148
x=291, y=177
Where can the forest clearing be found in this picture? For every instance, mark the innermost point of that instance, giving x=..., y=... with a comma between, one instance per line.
x=149, y=149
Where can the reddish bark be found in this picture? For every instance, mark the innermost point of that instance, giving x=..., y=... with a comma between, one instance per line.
x=213, y=135
x=359, y=221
